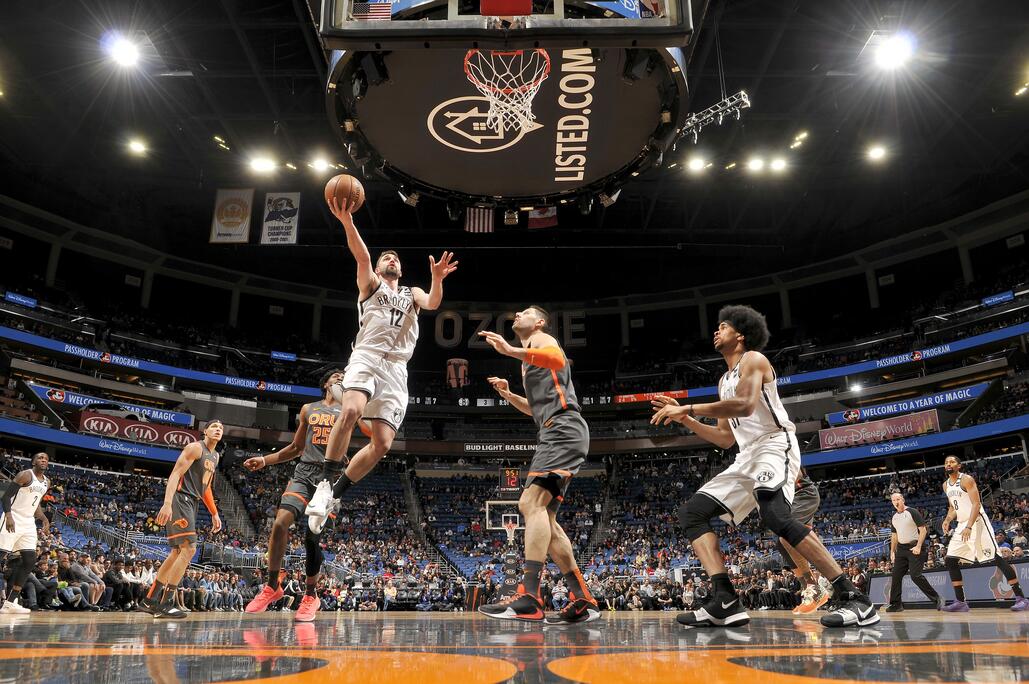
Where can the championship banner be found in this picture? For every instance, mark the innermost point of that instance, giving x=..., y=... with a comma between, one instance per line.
x=647, y=396
x=75, y=400
x=980, y=584
x=856, y=415
x=231, y=221
x=39, y=433
x=874, y=431
x=281, y=216
x=135, y=431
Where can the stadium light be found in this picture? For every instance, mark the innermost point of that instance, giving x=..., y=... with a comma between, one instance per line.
x=778, y=165
x=1018, y=93
x=856, y=387
x=876, y=153
x=137, y=147
x=696, y=165
x=320, y=165
x=123, y=51
x=756, y=164
x=262, y=165
x=895, y=51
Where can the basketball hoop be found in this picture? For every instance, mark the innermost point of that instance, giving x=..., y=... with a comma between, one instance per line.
x=509, y=80
x=510, y=528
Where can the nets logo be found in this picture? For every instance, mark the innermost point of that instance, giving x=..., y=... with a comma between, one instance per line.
x=460, y=124
x=177, y=438
x=100, y=425
x=765, y=476
x=852, y=416
x=142, y=433
x=55, y=395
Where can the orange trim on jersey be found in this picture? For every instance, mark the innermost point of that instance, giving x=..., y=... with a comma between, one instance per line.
x=181, y=534
x=302, y=499
x=557, y=386
x=546, y=357
x=181, y=523
x=543, y=473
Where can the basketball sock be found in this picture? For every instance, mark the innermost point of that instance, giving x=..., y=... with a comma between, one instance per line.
x=577, y=584
x=341, y=486
x=807, y=578
x=156, y=593
x=959, y=592
x=531, y=577
x=1017, y=588
x=331, y=470
x=1009, y=575
x=721, y=584
x=273, y=578
x=312, y=586
x=843, y=584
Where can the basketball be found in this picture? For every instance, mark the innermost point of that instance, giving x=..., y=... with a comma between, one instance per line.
x=345, y=188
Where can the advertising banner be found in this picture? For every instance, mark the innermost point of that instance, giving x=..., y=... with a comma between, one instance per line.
x=231, y=221
x=647, y=396
x=859, y=550
x=39, y=433
x=75, y=400
x=23, y=300
x=135, y=431
x=980, y=584
x=281, y=216
x=498, y=447
x=283, y=356
x=1000, y=298
x=880, y=430
x=955, y=396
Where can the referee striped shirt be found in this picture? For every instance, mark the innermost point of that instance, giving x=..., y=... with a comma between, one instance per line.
x=905, y=525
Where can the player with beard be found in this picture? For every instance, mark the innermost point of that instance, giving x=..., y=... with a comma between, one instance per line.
x=564, y=441
x=763, y=475
x=22, y=503
x=374, y=384
x=973, y=540
x=314, y=423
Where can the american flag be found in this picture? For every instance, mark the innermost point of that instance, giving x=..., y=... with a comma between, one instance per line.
x=380, y=10
x=544, y=217
x=478, y=220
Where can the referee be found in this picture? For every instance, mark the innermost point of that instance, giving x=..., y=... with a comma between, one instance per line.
x=907, y=552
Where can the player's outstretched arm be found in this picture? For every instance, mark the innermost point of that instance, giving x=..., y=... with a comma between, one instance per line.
x=286, y=453
x=190, y=454
x=430, y=301
x=503, y=388
x=668, y=411
x=543, y=352
x=367, y=281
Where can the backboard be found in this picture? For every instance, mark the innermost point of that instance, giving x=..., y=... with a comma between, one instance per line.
x=420, y=24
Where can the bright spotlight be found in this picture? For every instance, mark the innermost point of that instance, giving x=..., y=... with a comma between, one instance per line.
x=895, y=51
x=856, y=387
x=137, y=147
x=319, y=165
x=876, y=153
x=778, y=165
x=756, y=164
x=262, y=165
x=124, y=52
x=1018, y=93
x=801, y=136
x=696, y=165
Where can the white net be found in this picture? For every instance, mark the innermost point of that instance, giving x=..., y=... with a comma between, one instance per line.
x=509, y=80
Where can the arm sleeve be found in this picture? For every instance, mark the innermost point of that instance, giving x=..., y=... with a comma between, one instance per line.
x=212, y=508
x=8, y=491
x=917, y=518
x=546, y=357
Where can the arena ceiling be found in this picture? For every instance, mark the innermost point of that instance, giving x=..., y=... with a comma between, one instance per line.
x=251, y=74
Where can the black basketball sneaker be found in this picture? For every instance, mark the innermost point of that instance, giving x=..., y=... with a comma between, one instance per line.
x=719, y=611
x=518, y=606
x=148, y=605
x=577, y=611
x=850, y=609
x=170, y=612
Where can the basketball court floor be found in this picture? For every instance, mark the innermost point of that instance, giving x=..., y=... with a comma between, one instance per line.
x=984, y=646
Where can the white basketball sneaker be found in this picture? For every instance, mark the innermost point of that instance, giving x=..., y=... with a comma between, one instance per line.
x=13, y=607
x=318, y=509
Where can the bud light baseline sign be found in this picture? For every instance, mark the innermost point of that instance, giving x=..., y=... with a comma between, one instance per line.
x=857, y=415
x=880, y=430
x=38, y=433
x=133, y=430
x=64, y=398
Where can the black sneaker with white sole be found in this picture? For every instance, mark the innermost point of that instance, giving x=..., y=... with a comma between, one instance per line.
x=577, y=611
x=851, y=610
x=719, y=611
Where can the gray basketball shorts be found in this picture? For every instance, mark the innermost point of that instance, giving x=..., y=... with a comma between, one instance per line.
x=564, y=441
x=806, y=501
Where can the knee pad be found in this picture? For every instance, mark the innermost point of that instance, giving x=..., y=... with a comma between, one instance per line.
x=695, y=516
x=28, y=564
x=313, y=559
x=777, y=517
x=953, y=567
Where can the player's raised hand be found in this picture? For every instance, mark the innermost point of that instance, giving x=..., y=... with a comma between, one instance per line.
x=501, y=385
x=444, y=267
x=254, y=463
x=668, y=414
x=497, y=341
x=661, y=400
x=341, y=210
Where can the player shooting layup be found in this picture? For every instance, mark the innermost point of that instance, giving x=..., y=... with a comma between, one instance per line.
x=374, y=384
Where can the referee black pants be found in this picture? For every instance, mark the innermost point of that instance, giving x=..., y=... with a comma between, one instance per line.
x=908, y=562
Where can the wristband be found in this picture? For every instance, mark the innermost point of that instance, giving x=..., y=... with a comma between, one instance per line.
x=690, y=412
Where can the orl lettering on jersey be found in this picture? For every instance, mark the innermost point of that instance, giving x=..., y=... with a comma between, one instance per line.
x=389, y=323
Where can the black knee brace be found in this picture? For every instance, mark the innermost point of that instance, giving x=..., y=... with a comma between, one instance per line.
x=953, y=567
x=313, y=560
x=777, y=516
x=695, y=516
x=21, y=573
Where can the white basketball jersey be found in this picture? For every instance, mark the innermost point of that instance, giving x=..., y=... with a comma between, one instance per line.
x=389, y=323
x=769, y=418
x=960, y=500
x=28, y=498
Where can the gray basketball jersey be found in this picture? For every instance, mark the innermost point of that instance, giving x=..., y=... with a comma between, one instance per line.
x=548, y=391
x=198, y=476
x=320, y=419
x=389, y=323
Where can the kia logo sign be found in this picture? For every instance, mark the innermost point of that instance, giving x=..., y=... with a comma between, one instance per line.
x=100, y=425
x=177, y=438
x=142, y=433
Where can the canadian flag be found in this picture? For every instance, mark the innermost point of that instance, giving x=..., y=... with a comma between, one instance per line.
x=544, y=217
